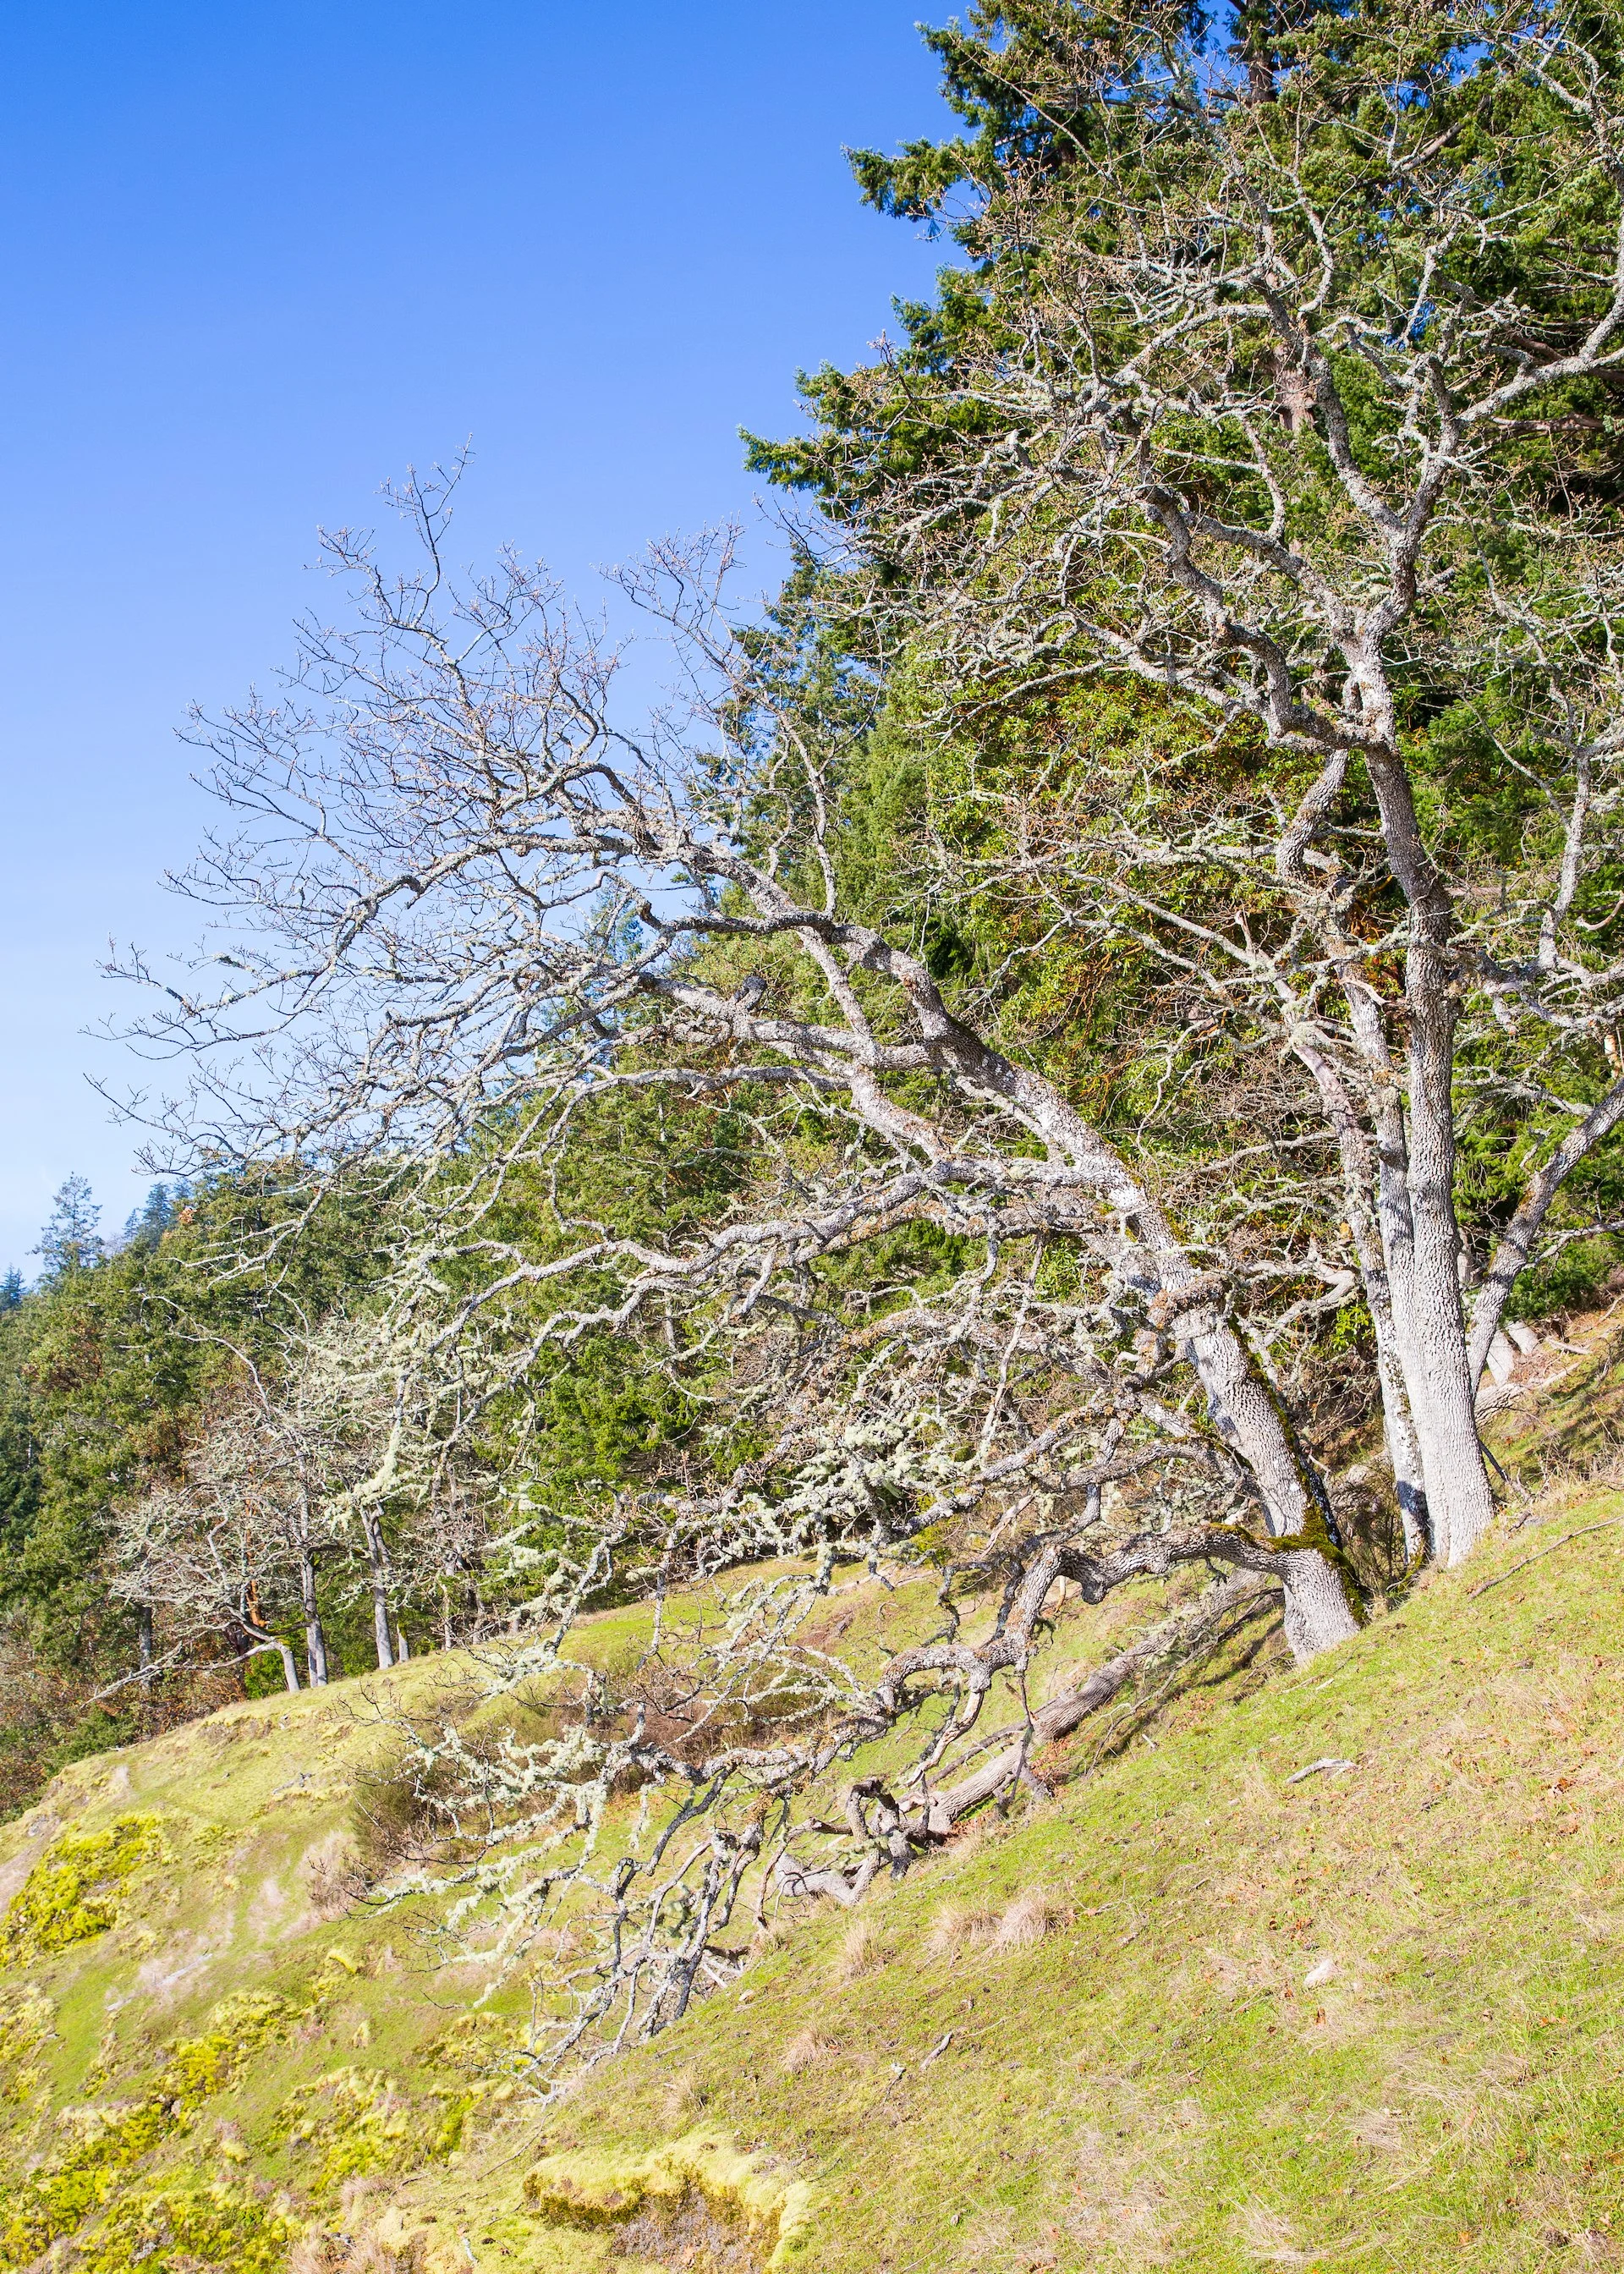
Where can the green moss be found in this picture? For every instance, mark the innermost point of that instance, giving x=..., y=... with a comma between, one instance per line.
x=60, y=2194
x=481, y=2045
x=746, y=2192
x=26, y=2017
x=174, y=2229
x=362, y=2124
x=73, y=1891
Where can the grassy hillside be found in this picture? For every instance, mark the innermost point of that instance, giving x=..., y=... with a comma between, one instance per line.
x=1187, y=2012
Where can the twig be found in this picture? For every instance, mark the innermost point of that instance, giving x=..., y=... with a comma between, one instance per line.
x=1583, y=1533
x=1494, y=1465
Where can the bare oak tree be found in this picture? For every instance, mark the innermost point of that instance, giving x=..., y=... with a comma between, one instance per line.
x=469, y=916
x=440, y=866
x=230, y=1551
x=286, y=1487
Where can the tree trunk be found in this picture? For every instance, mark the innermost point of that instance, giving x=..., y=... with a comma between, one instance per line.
x=1457, y=1483
x=1460, y=1507
x=1241, y=1404
x=938, y=1811
x=257, y=1641
x=261, y=1636
x=144, y=1647
x=315, y=1635
x=1319, y=1609
x=1358, y=1193
x=378, y=1574
x=1416, y=1171
x=1403, y=1448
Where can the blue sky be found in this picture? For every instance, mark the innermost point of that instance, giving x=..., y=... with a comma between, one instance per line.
x=254, y=262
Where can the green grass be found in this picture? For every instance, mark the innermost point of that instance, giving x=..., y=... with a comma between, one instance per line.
x=1152, y=2081
x=1155, y=2083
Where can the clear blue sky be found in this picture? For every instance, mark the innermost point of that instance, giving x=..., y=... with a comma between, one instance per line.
x=255, y=260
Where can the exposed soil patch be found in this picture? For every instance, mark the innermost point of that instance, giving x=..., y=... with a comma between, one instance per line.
x=691, y=2238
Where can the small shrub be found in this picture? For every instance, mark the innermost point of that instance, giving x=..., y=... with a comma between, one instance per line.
x=401, y=1811
x=334, y=1879
x=391, y=1814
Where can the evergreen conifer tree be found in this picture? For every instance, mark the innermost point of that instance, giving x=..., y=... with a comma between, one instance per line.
x=145, y=1227
x=71, y=1240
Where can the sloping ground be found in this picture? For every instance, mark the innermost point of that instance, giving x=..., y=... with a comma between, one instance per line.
x=195, y=2054
x=1368, y=2018
x=1198, y=2010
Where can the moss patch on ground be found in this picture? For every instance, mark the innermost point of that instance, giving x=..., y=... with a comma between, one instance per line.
x=208, y=2043
x=73, y=1892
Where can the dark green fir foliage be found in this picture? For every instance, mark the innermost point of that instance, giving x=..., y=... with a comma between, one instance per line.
x=986, y=556
x=71, y=1241
x=607, y=1406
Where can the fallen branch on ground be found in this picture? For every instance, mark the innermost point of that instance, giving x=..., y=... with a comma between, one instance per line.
x=1062, y=1714
x=1583, y=1533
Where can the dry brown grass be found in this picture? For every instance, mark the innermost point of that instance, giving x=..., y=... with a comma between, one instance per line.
x=682, y=2099
x=1026, y=1920
x=364, y=2254
x=1126, y=2178
x=806, y=2048
x=370, y=2253
x=1264, y=2234
x=691, y=2234
x=1380, y=2128
x=955, y=1927
x=863, y=1950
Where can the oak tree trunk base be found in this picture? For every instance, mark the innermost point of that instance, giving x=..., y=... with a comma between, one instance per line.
x=1318, y=1613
